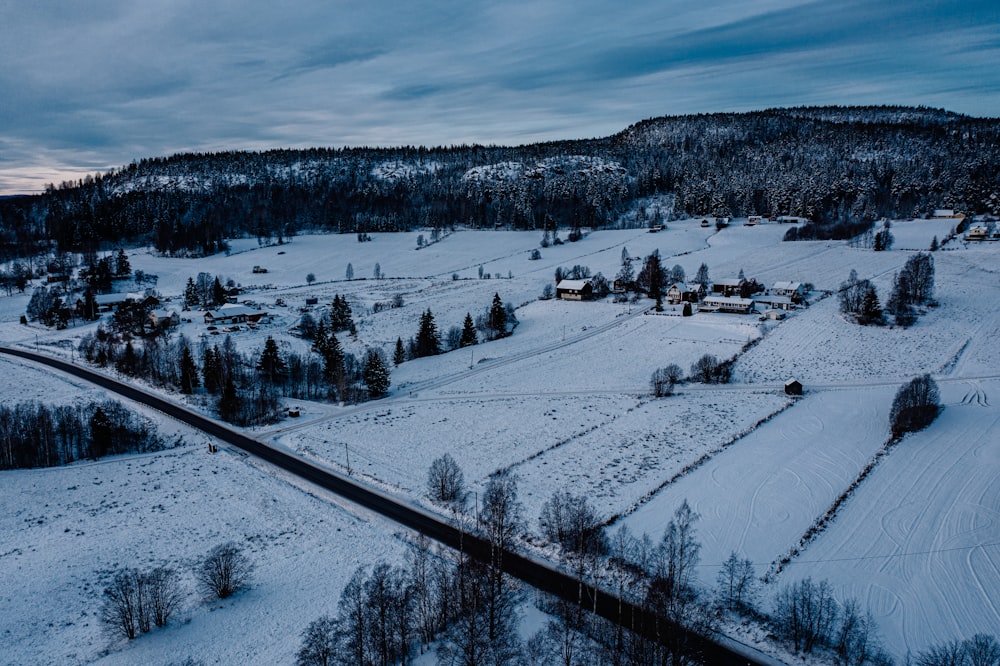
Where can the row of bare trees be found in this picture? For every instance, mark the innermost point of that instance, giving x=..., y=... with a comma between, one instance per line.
x=136, y=601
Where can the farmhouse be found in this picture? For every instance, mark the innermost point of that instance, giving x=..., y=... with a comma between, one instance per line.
x=794, y=289
x=233, y=314
x=947, y=213
x=574, y=290
x=164, y=318
x=679, y=292
x=727, y=287
x=111, y=302
x=732, y=304
x=977, y=234
x=775, y=302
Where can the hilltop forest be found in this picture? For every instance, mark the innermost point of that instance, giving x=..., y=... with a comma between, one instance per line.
x=841, y=167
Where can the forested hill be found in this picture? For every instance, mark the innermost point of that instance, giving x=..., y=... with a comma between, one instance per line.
x=836, y=165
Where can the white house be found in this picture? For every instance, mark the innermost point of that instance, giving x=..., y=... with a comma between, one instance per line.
x=731, y=304
x=788, y=289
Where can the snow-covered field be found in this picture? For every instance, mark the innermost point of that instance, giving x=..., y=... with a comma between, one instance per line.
x=563, y=403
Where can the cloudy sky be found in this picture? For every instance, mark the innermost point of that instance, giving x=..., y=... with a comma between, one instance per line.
x=88, y=86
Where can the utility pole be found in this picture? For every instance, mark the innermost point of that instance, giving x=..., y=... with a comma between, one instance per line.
x=347, y=455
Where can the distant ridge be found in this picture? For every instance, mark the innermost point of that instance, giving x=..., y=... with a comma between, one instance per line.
x=841, y=167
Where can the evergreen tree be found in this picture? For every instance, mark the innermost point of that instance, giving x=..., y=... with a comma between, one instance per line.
x=211, y=370
x=188, y=371
x=468, y=332
x=871, y=311
x=934, y=244
x=375, y=373
x=218, y=292
x=191, y=298
x=498, y=317
x=271, y=366
x=122, y=265
x=651, y=278
x=230, y=405
x=349, y=273
x=328, y=347
x=100, y=434
x=90, y=310
x=428, y=340
x=400, y=354
x=128, y=364
x=340, y=314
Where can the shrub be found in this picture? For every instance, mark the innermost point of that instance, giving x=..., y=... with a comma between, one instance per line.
x=915, y=406
x=225, y=571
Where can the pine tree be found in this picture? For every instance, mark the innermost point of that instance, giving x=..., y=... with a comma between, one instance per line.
x=188, y=371
x=428, y=340
x=211, y=370
x=400, y=354
x=871, y=311
x=349, y=273
x=89, y=305
x=218, y=292
x=375, y=373
x=122, y=265
x=498, y=317
x=340, y=314
x=328, y=347
x=468, y=332
x=191, y=294
x=100, y=434
x=230, y=404
x=271, y=366
x=651, y=277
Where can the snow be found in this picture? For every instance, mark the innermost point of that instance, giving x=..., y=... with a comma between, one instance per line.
x=920, y=540
x=562, y=403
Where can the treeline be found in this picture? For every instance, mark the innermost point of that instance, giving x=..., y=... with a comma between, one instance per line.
x=245, y=388
x=36, y=435
x=840, y=167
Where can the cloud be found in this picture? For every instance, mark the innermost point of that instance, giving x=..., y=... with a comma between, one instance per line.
x=86, y=85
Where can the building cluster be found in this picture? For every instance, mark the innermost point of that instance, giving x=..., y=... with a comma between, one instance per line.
x=730, y=295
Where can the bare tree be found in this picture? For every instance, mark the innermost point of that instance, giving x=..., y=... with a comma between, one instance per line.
x=225, y=571
x=120, y=612
x=164, y=595
x=736, y=582
x=445, y=481
x=951, y=653
x=982, y=650
x=805, y=613
x=573, y=523
x=856, y=641
x=319, y=642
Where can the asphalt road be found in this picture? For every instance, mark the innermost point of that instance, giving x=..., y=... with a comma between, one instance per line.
x=710, y=650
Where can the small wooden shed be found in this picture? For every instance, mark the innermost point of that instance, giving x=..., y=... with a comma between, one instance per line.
x=793, y=387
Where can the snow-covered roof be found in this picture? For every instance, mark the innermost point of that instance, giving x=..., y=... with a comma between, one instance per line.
x=731, y=300
x=787, y=286
x=111, y=299
x=730, y=282
x=232, y=310
x=573, y=284
x=686, y=286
